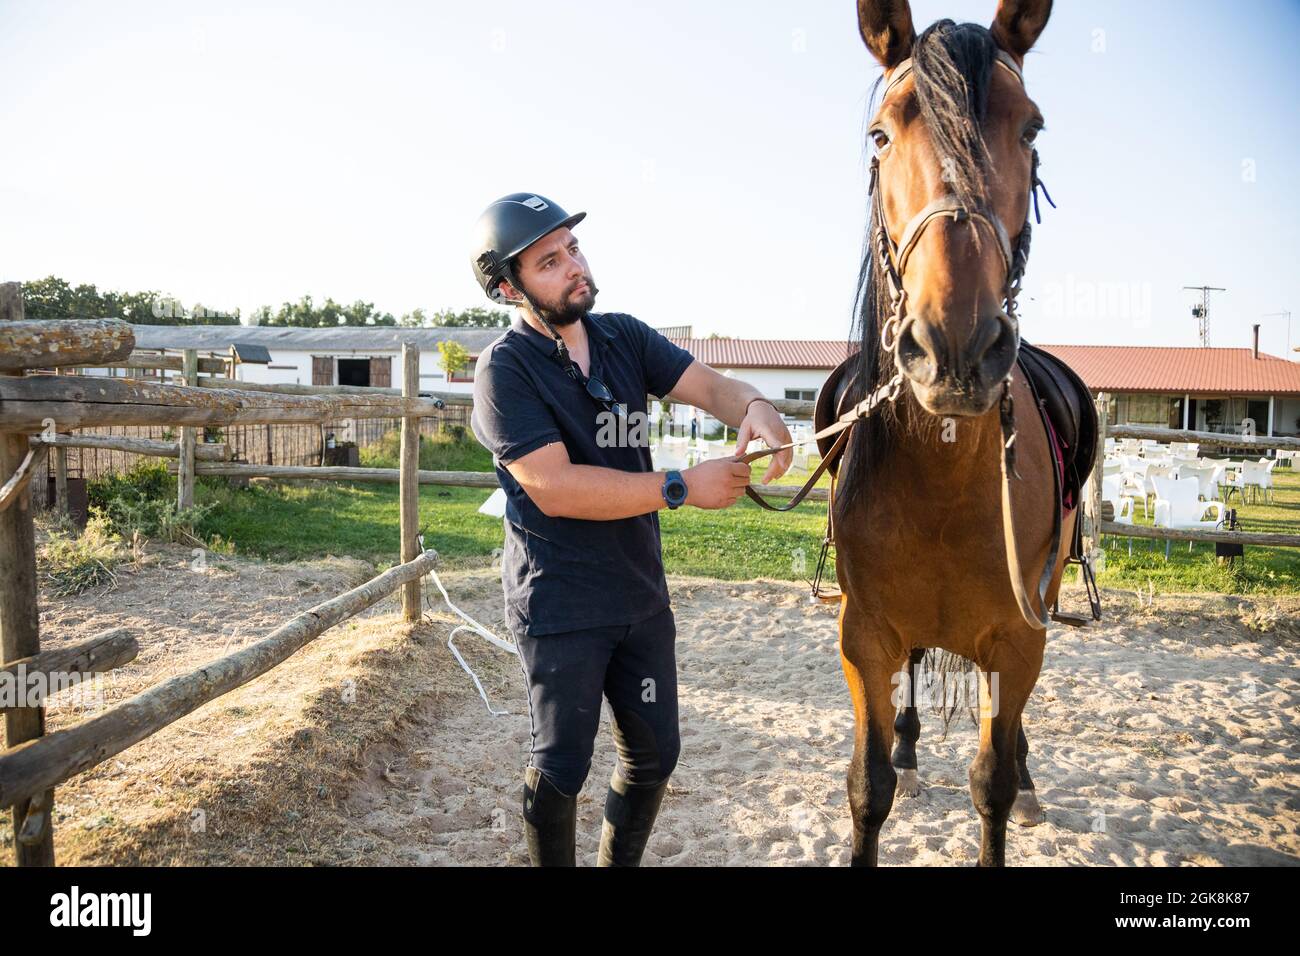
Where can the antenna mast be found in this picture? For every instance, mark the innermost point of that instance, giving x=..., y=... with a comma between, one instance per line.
x=1202, y=310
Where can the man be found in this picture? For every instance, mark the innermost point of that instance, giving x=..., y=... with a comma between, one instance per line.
x=560, y=400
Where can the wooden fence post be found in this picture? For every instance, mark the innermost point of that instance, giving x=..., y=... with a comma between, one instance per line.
x=1095, y=553
x=19, y=628
x=60, y=481
x=409, y=493
x=185, y=473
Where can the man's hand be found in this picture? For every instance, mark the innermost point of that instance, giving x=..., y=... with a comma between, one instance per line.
x=764, y=421
x=716, y=483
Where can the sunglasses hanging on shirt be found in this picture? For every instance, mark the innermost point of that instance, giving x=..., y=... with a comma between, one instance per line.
x=594, y=387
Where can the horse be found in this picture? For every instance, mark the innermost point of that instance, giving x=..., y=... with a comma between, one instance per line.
x=928, y=553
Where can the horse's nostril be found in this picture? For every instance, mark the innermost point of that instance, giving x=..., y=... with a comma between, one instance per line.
x=917, y=355
x=998, y=355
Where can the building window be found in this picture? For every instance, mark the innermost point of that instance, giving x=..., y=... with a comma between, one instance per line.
x=801, y=394
x=465, y=373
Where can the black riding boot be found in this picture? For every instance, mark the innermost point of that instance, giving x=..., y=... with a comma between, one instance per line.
x=550, y=819
x=630, y=812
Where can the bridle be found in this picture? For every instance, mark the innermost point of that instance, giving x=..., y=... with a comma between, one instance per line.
x=892, y=259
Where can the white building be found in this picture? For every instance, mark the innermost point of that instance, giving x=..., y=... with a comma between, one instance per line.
x=350, y=355
x=347, y=355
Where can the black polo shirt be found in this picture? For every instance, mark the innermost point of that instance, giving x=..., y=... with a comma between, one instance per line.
x=563, y=574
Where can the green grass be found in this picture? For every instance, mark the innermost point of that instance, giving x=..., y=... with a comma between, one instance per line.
x=295, y=520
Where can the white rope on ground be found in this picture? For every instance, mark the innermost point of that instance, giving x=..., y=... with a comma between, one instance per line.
x=476, y=628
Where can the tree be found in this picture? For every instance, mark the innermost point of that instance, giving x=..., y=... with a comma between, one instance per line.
x=454, y=357
x=54, y=298
x=473, y=318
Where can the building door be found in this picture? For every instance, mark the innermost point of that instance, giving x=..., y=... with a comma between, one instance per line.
x=354, y=371
x=381, y=371
x=322, y=370
x=1257, y=411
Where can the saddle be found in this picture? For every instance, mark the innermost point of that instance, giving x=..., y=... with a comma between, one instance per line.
x=1068, y=415
x=1063, y=399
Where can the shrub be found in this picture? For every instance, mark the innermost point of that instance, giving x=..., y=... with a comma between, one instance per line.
x=143, y=500
x=74, y=563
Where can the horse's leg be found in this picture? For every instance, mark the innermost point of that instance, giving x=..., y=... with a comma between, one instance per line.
x=907, y=730
x=870, y=676
x=1007, y=677
x=1025, y=811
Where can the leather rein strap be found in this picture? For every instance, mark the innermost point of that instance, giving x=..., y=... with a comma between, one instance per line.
x=864, y=409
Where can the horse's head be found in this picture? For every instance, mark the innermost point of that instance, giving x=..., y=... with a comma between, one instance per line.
x=955, y=164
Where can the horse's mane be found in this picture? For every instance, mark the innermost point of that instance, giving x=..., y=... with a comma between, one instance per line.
x=952, y=66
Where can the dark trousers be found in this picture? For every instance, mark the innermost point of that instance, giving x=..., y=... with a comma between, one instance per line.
x=634, y=666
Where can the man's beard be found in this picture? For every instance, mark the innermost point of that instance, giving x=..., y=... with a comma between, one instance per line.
x=569, y=309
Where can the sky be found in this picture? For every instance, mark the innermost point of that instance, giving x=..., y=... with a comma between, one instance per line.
x=249, y=156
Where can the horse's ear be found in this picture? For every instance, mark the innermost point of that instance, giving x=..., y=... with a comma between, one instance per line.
x=886, y=27
x=1018, y=23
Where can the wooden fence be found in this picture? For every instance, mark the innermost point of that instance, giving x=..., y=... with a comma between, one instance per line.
x=44, y=413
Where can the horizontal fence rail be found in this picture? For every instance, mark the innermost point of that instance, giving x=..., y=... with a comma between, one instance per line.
x=37, y=765
x=1206, y=438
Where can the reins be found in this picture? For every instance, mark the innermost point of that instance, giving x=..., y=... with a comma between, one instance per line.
x=864, y=409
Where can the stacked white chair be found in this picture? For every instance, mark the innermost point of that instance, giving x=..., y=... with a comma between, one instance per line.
x=1178, y=505
x=1135, y=479
x=1121, y=504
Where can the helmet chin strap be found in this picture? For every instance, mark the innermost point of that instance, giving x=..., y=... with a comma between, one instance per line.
x=563, y=350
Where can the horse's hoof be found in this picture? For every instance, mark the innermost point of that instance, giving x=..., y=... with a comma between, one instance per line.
x=1026, y=811
x=909, y=784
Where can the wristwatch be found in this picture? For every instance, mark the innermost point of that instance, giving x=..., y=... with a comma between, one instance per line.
x=674, y=489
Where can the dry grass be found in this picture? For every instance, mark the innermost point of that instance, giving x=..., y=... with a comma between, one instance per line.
x=258, y=775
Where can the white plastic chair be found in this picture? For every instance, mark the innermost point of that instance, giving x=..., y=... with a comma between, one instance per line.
x=1255, y=475
x=495, y=506
x=670, y=453
x=1178, y=506
x=1204, y=476
x=1154, y=472
x=1135, y=479
x=1121, y=504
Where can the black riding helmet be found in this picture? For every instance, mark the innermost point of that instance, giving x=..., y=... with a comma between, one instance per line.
x=508, y=227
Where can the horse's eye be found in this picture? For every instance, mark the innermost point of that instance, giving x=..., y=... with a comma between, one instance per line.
x=1030, y=135
x=879, y=138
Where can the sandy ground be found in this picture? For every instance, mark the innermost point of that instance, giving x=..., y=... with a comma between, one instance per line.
x=1164, y=736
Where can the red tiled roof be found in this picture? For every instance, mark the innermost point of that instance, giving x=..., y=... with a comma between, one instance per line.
x=768, y=353
x=1112, y=368
x=1146, y=368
